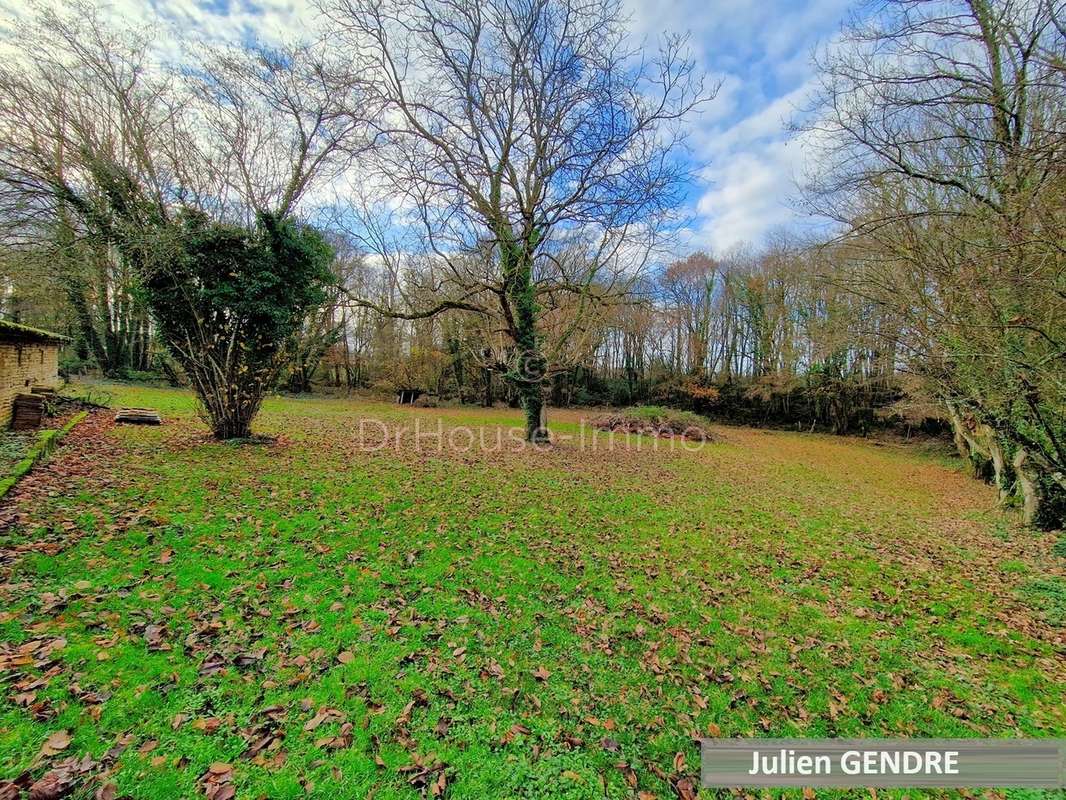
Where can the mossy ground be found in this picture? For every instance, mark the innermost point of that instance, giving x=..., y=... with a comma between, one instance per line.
x=333, y=619
x=13, y=448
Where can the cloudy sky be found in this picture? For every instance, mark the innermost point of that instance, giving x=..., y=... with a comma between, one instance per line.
x=759, y=49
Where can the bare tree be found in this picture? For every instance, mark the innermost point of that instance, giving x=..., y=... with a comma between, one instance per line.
x=276, y=122
x=945, y=133
x=80, y=104
x=690, y=286
x=536, y=147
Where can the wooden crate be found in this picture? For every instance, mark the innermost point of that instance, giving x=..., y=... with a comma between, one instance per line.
x=27, y=412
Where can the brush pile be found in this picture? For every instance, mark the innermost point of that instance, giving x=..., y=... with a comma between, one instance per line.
x=665, y=423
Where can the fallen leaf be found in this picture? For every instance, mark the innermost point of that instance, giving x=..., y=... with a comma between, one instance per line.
x=56, y=742
x=685, y=789
x=52, y=785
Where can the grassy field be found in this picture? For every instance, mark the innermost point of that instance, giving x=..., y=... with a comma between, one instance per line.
x=320, y=616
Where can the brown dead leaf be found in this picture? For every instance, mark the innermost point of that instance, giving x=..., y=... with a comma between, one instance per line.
x=322, y=715
x=52, y=785
x=217, y=782
x=686, y=789
x=207, y=724
x=437, y=787
x=55, y=743
x=405, y=715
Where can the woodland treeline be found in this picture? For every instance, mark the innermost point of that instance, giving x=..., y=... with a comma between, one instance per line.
x=486, y=201
x=767, y=337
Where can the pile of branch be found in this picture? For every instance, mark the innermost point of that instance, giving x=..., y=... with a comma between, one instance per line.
x=667, y=425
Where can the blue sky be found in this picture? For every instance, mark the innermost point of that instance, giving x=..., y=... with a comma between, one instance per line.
x=759, y=50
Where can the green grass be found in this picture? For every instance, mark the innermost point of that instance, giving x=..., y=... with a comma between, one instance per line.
x=1049, y=595
x=43, y=443
x=658, y=414
x=530, y=624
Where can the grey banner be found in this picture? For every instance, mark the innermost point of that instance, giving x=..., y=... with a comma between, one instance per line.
x=1036, y=763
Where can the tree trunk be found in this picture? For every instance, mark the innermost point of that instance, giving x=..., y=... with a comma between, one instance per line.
x=1001, y=475
x=536, y=414
x=958, y=434
x=232, y=418
x=1029, y=489
x=529, y=371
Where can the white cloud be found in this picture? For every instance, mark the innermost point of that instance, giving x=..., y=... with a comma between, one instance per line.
x=750, y=195
x=271, y=21
x=762, y=52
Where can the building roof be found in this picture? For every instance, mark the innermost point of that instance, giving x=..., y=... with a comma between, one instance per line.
x=13, y=332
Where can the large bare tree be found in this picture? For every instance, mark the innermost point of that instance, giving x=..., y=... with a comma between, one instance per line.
x=276, y=122
x=945, y=133
x=78, y=101
x=537, y=148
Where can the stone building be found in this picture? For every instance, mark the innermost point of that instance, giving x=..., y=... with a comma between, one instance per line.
x=28, y=357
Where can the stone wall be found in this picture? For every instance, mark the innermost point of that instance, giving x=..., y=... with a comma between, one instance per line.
x=23, y=366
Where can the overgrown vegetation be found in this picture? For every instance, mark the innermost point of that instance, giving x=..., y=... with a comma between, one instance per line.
x=953, y=205
x=228, y=303
x=13, y=447
x=502, y=234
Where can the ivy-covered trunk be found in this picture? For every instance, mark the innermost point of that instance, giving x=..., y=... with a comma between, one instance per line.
x=529, y=367
x=1019, y=473
x=536, y=418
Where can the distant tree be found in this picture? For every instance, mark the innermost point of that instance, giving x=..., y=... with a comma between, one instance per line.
x=228, y=303
x=73, y=90
x=521, y=132
x=689, y=286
